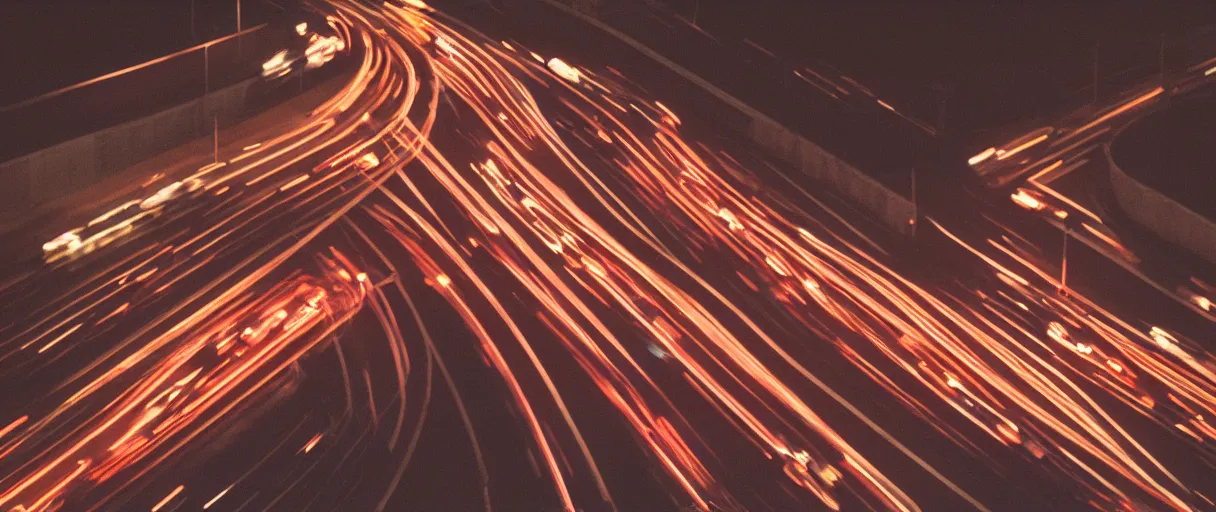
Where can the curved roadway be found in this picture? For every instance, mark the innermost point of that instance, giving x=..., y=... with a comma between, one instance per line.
x=477, y=279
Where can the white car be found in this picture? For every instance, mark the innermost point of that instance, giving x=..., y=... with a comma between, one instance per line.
x=71, y=245
x=445, y=46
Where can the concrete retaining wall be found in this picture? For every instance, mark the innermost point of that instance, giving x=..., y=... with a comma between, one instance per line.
x=1167, y=218
x=893, y=209
x=56, y=171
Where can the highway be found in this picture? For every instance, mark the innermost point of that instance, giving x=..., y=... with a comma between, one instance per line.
x=482, y=278
x=1059, y=173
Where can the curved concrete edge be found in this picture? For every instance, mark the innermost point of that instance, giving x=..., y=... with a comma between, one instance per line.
x=891, y=208
x=1156, y=212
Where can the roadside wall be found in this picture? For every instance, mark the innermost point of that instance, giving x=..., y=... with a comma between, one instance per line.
x=67, y=167
x=889, y=207
x=1167, y=218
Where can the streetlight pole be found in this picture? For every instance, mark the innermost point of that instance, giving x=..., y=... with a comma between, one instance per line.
x=915, y=203
x=696, y=7
x=1064, y=264
x=1162, y=60
x=193, y=31
x=239, y=53
x=207, y=92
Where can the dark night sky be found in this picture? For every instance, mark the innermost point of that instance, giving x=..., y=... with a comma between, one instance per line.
x=1000, y=56
x=993, y=52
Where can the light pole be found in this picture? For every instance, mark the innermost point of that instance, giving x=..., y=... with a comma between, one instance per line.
x=1161, y=63
x=1064, y=265
x=193, y=32
x=696, y=7
x=239, y=53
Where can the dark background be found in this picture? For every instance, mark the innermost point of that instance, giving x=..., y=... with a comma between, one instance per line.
x=1000, y=61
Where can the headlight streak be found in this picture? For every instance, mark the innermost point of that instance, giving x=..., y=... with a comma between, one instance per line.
x=933, y=331
x=695, y=194
x=601, y=276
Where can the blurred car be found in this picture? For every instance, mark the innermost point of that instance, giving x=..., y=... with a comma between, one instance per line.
x=99, y=232
x=278, y=66
x=563, y=70
x=314, y=45
x=118, y=222
x=170, y=192
x=367, y=161
x=321, y=50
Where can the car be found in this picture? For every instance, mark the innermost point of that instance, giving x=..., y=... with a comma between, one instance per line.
x=445, y=47
x=66, y=243
x=367, y=161
x=278, y=65
x=100, y=232
x=563, y=70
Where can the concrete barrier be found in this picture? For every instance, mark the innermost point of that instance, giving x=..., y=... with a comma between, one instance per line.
x=56, y=171
x=1169, y=219
x=893, y=209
